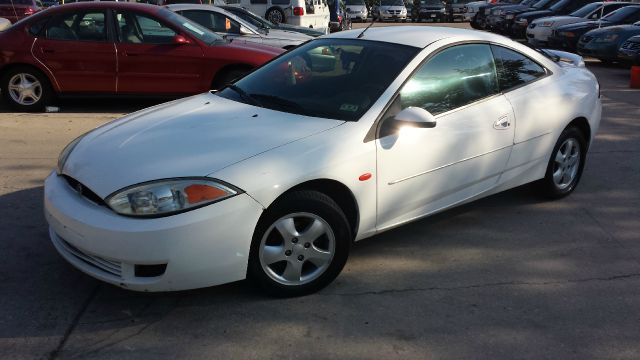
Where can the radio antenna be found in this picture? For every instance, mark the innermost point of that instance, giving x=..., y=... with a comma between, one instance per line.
x=373, y=20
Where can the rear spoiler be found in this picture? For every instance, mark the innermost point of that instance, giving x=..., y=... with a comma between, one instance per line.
x=565, y=57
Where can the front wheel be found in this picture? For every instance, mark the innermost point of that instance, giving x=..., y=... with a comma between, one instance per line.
x=26, y=89
x=565, y=165
x=275, y=15
x=300, y=245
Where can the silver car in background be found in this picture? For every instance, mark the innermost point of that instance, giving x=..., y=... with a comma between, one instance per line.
x=234, y=28
x=357, y=10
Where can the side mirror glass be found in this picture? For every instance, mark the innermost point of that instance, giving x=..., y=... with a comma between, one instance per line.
x=244, y=31
x=181, y=40
x=415, y=117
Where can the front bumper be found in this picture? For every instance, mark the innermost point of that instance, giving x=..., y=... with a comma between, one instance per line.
x=358, y=16
x=605, y=51
x=630, y=56
x=431, y=15
x=538, y=35
x=562, y=43
x=203, y=247
x=384, y=16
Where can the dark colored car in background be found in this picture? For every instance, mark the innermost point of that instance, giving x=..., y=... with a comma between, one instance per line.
x=263, y=23
x=15, y=10
x=116, y=48
x=510, y=25
x=603, y=44
x=566, y=37
x=496, y=20
x=479, y=20
x=434, y=10
x=455, y=9
x=338, y=16
x=561, y=7
x=629, y=51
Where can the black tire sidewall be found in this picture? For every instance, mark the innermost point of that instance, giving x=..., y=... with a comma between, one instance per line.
x=301, y=201
x=44, y=81
x=549, y=188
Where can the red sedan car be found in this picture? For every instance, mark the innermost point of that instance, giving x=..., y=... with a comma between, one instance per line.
x=116, y=48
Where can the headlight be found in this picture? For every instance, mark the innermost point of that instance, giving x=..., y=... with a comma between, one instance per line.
x=508, y=16
x=606, y=38
x=547, y=24
x=522, y=21
x=170, y=196
x=64, y=154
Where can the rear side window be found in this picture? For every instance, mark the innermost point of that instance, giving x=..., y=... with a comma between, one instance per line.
x=455, y=77
x=213, y=21
x=139, y=29
x=88, y=26
x=515, y=69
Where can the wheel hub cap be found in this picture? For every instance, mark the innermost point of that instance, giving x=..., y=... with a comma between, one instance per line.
x=566, y=163
x=25, y=89
x=297, y=249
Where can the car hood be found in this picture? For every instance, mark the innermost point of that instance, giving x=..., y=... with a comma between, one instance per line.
x=287, y=35
x=623, y=30
x=300, y=29
x=189, y=137
x=534, y=14
x=583, y=25
x=559, y=20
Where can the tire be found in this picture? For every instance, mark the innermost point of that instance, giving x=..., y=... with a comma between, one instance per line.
x=26, y=89
x=226, y=77
x=275, y=15
x=565, y=165
x=280, y=260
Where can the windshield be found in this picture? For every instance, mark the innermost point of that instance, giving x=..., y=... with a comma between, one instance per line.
x=621, y=14
x=355, y=2
x=586, y=10
x=331, y=78
x=392, y=3
x=544, y=4
x=196, y=30
x=431, y=2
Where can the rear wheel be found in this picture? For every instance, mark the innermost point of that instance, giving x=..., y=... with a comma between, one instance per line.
x=275, y=15
x=565, y=165
x=300, y=244
x=26, y=89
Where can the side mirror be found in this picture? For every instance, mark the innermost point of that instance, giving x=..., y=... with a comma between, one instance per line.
x=181, y=40
x=415, y=117
x=244, y=31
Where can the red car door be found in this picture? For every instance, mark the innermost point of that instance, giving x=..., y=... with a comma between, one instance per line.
x=151, y=62
x=77, y=50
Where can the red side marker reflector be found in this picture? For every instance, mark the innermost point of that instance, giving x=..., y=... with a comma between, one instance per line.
x=365, y=177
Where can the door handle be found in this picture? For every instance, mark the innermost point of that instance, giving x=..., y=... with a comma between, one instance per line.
x=502, y=123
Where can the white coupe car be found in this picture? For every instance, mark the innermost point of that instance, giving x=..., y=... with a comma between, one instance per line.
x=276, y=175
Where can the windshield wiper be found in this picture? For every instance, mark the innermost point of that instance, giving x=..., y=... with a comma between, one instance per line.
x=281, y=102
x=244, y=95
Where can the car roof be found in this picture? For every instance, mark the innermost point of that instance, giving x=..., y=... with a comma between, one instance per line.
x=121, y=5
x=417, y=36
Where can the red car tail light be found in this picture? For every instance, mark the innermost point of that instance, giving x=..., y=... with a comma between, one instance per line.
x=29, y=11
x=298, y=11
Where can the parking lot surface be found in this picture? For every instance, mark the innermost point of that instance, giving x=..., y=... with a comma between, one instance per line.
x=510, y=276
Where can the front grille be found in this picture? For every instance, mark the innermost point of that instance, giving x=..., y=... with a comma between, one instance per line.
x=108, y=266
x=84, y=191
x=630, y=45
x=395, y=12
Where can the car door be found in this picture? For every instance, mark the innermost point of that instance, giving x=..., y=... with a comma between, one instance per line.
x=424, y=170
x=77, y=47
x=151, y=62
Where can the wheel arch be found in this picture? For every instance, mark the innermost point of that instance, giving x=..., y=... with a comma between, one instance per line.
x=338, y=192
x=583, y=125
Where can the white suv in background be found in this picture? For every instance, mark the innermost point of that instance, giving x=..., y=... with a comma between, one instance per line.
x=308, y=13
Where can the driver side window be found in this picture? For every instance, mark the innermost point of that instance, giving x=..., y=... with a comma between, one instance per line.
x=456, y=76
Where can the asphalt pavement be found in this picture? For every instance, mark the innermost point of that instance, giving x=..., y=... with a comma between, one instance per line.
x=508, y=277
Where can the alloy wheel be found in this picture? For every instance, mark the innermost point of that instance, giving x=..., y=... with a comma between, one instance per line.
x=297, y=249
x=566, y=163
x=25, y=89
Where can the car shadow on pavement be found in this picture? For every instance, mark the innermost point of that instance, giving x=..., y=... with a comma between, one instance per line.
x=97, y=105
